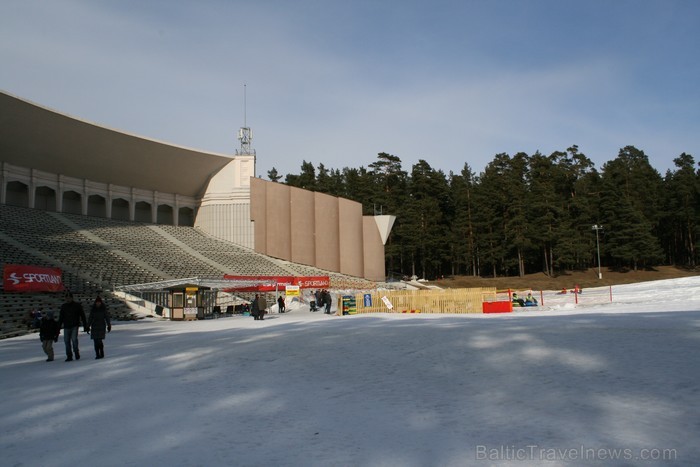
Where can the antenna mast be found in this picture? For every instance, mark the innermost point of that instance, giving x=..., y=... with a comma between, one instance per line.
x=245, y=134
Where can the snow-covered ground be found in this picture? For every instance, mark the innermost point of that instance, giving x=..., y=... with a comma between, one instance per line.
x=598, y=383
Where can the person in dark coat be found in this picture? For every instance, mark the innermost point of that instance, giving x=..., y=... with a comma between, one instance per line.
x=280, y=304
x=327, y=301
x=262, y=307
x=314, y=301
x=69, y=317
x=254, y=310
x=48, y=333
x=322, y=300
x=98, y=323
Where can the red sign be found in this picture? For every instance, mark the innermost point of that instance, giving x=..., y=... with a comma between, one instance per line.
x=280, y=282
x=22, y=278
x=269, y=285
x=314, y=282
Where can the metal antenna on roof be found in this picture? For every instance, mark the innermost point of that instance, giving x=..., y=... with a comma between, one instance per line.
x=245, y=134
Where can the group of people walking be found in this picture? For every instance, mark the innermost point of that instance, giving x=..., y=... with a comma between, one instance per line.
x=71, y=316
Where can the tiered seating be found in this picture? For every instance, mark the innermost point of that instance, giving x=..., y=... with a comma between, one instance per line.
x=236, y=259
x=244, y=261
x=88, y=268
x=142, y=242
x=113, y=253
x=16, y=309
x=43, y=233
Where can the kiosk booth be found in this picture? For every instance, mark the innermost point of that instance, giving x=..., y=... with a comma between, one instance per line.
x=190, y=301
x=193, y=298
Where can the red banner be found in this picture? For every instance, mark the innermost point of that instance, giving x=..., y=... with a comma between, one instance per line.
x=22, y=278
x=280, y=282
x=314, y=282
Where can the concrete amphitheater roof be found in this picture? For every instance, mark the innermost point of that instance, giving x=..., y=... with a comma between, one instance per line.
x=39, y=138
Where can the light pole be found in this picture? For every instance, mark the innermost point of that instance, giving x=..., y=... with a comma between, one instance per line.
x=597, y=227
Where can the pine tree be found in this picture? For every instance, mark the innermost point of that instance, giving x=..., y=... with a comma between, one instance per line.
x=524, y=213
x=629, y=211
x=546, y=213
x=273, y=176
x=323, y=181
x=463, y=235
x=491, y=202
x=423, y=211
x=389, y=182
x=681, y=208
x=306, y=179
x=515, y=221
x=583, y=205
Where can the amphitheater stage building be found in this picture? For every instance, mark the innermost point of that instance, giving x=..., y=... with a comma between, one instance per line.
x=54, y=162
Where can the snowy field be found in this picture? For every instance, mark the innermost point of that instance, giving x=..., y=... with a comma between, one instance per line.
x=596, y=383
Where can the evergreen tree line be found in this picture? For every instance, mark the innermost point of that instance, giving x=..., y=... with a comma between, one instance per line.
x=524, y=213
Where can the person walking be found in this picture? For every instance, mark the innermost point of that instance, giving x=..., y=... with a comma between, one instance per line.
x=98, y=322
x=48, y=333
x=69, y=317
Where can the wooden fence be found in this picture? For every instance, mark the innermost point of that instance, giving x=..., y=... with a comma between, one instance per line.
x=425, y=301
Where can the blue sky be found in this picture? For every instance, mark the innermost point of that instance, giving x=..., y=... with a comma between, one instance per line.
x=336, y=82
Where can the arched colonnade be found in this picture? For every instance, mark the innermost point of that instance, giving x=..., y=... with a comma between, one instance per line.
x=29, y=188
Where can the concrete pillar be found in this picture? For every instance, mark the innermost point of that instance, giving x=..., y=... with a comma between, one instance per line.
x=59, y=194
x=3, y=184
x=84, y=198
x=154, y=208
x=108, y=202
x=31, y=190
x=132, y=207
x=176, y=210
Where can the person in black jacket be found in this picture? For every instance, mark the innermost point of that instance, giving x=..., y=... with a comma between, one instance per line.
x=254, y=308
x=70, y=317
x=48, y=333
x=280, y=304
x=97, y=323
x=327, y=301
x=262, y=307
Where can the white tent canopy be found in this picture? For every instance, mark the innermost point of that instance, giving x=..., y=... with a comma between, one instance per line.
x=216, y=284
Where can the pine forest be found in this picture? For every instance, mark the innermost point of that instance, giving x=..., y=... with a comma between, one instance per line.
x=524, y=213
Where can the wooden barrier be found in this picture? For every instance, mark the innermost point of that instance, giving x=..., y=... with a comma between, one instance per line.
x=427, y=301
